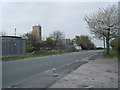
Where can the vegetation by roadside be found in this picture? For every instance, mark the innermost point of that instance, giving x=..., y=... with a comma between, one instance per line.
x=36, y=54
x=33, y=54
x=112, y=54
x=85, y=42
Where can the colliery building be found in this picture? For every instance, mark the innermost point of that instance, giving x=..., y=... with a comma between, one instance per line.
x=13, y=46
x=36, y=31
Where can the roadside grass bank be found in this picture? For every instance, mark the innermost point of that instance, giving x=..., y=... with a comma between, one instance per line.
x=112, y=54
x=36, y=54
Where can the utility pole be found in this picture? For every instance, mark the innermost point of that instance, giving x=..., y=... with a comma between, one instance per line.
x=119, y=31
x=15, y=31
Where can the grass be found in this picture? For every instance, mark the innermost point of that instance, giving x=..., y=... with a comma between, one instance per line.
x=16, y=57
x=36, y=54
x=112, y=54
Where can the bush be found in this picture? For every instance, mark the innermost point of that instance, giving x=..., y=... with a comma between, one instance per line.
x=34, y=54
x=71, y=48
x=47, y=52
x=115, y=43
x=99, y=48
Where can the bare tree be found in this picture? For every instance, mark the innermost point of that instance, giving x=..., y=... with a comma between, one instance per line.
x=3, y=33
x=57, y=35
x=103, y=24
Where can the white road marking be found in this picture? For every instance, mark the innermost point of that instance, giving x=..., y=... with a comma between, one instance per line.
x=55, y=75
x=53, y=69
x=77, y=60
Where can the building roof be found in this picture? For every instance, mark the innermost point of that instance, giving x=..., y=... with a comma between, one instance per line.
x=10, y=37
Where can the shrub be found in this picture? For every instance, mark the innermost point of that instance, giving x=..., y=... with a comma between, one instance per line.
x=71, y=48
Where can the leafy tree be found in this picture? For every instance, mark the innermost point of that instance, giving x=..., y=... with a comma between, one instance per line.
x=29, y=47
x=84, y=42
x=49, y=41
x=32, y=43
x=103, y=24
x=114, y=43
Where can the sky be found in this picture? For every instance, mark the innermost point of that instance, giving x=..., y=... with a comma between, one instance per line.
x=67, y=17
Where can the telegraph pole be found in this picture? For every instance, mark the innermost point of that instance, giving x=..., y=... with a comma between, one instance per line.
x=119, y=31
x=15, y=31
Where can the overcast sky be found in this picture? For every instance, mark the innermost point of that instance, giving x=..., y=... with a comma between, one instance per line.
x=67, y=17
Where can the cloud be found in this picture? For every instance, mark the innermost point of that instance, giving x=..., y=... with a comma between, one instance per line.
x=60, y=0
x=66, y=17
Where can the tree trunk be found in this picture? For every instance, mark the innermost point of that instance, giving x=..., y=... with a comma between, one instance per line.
x=107, y=41
x=104, y=44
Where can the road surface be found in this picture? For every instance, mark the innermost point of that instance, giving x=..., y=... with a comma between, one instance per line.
x=13, y=71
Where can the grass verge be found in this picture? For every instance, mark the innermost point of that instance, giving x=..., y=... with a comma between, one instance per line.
x=112, y=54
x=35, y=54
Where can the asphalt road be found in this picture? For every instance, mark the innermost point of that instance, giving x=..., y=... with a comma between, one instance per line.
x=13, y=71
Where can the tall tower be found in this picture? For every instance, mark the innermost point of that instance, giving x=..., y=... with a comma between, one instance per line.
x=36, y=31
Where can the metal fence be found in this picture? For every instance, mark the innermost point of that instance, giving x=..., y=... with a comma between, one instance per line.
x=13, y=46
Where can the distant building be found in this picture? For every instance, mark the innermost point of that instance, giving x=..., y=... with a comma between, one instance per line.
x=36, y=31
x=13, y=46
x=66, y=41
x=62, y=44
